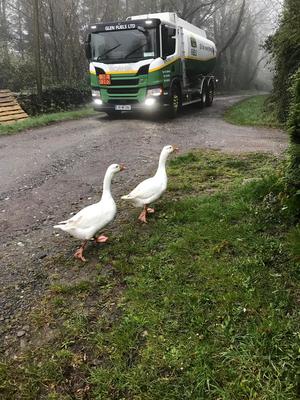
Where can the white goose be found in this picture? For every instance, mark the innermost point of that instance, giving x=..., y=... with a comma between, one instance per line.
x=151, y=189
x=88, y=221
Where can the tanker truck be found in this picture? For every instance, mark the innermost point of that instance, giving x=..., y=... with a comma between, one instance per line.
x=154, y=62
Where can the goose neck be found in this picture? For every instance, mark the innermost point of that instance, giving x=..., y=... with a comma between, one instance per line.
x=162, y=162
x=107, y=184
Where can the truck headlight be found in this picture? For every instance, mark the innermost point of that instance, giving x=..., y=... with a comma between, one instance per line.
x=150, y=101
x=155, y=91
x=99, y=102
x=96, y=93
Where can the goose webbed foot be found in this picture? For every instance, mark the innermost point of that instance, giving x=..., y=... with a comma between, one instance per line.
x=150, y=210
x=101, y=239
x=79, y=253
x=143, y=215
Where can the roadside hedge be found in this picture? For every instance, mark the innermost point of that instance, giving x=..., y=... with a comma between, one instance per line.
x=55, y=99
x=284, y=47
x=293, y=125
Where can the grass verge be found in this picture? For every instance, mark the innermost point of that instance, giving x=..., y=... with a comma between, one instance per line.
x=201, y=303
x=46, y=119
x=252, y=111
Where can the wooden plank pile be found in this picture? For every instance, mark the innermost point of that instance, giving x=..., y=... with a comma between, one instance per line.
x=10, y=110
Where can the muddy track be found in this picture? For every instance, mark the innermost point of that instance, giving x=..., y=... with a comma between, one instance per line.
x=48, y=173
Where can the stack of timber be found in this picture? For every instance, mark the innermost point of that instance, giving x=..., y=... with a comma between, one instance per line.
x=10, y=110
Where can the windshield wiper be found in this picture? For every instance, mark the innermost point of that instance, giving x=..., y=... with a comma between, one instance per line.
x=108, y=51
x=133, y=51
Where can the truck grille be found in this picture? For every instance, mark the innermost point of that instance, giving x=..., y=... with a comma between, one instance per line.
x=122, y=90
x=124, y=82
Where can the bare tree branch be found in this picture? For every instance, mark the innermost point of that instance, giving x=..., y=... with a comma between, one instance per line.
x=252, y=76
x=17, y=9
x=202, y=5
x=237, y=28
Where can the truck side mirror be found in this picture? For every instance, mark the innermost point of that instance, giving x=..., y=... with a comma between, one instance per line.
x=88, y=50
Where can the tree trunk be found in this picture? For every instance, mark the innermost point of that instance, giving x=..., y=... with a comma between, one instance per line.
x=236, y=30
x=37, y=48
x=4, y=29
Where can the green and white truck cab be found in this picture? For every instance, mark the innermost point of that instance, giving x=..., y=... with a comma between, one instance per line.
x=150, y=62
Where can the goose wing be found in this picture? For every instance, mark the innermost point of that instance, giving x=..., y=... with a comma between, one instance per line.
x=89, y=216
x=146, y=189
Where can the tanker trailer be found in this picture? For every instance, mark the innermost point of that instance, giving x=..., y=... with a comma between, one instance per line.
x=153, y=62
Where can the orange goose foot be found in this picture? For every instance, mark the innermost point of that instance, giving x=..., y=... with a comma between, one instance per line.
x=101, y=239
x=143, y=216
x=79, y=253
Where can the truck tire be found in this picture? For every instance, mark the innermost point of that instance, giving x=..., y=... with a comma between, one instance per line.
x=210, y=91
x=174, y=102
x=203, y=97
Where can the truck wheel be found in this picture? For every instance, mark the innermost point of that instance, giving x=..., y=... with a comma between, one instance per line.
x=210, y=91
x=174, y=102
x=203, y=97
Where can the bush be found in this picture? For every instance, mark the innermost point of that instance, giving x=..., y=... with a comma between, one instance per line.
x=293, y=125
x=284, y=46
x=55, y=99
x=16, y=73
x=293, y=122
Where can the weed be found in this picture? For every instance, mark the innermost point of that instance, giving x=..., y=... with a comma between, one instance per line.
x=210, y=305
x=253, y=112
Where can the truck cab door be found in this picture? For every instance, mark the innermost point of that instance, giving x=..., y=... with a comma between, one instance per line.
x=168, y=41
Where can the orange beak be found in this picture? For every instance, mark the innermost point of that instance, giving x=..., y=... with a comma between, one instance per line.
x=175, y=149
x=122, y=167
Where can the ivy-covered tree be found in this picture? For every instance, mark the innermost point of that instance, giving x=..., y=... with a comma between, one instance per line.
x=293, y=124
x=284, y=47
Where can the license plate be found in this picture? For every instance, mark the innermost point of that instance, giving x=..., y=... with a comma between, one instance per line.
x=123, y=107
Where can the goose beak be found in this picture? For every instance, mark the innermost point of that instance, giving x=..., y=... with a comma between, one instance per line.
x=122, y=167
x=175, y=149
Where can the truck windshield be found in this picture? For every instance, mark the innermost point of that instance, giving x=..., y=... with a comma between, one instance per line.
x=124, y=46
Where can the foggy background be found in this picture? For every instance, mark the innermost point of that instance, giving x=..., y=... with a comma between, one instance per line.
x=43, y=41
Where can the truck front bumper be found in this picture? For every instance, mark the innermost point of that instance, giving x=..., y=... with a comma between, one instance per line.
x=148, y=105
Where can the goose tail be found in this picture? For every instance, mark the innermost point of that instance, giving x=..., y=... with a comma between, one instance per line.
x=126, y=197
x=62, y=227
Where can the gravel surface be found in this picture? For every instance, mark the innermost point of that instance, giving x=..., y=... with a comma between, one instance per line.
x=50, y=172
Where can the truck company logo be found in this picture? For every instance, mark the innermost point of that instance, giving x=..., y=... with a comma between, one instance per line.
x=207, y=48
x=201, y=46
x=193, y=42
x=166, y=75
x=119, y=27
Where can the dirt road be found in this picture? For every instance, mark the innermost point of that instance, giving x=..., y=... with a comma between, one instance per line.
x=50, y=172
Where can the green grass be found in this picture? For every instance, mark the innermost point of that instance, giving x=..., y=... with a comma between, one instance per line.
x=252, y=111
x=201, y=303
x=46, y=119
